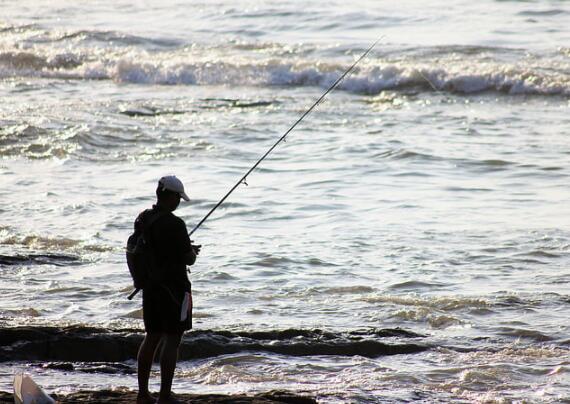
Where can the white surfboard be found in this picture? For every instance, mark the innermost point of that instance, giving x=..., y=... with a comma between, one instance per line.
x=26, y=391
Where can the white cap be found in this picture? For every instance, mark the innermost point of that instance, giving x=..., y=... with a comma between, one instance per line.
x=171, y=183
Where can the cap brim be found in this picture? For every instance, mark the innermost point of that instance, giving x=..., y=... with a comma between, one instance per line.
x=185, y=197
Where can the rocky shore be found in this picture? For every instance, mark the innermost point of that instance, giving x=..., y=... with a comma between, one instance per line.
x=129, y=397
x=81, y=349
x=89, y=344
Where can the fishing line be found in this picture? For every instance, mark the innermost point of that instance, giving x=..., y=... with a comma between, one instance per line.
x=434, y=88
x=243, y=179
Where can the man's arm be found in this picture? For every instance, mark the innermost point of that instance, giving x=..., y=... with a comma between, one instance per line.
x=190, y=257
x=185, y=244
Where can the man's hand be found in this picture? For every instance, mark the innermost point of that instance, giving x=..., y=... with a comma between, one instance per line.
x=196, y=249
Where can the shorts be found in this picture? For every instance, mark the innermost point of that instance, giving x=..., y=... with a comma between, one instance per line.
x=161, y=310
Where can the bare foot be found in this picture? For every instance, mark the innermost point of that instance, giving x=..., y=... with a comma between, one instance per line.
x=145, y=398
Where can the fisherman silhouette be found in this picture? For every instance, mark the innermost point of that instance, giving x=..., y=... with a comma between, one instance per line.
x=167, y=298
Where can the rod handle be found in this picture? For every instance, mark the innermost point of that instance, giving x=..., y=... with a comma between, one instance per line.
x=133, y=294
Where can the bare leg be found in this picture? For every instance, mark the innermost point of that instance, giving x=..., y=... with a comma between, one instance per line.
x=167, y=365
x=144, y=360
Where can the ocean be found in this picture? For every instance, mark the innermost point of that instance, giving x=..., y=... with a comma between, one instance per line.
x=409, y=242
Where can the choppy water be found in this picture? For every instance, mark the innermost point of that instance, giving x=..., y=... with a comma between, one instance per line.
x=430, y=192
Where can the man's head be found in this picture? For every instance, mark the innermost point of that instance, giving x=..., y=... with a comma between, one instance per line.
x=169, y=191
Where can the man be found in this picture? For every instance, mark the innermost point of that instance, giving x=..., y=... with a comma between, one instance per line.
x=167, y=301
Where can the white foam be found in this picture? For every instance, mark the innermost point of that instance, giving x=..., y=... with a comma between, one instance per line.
x=453, y=75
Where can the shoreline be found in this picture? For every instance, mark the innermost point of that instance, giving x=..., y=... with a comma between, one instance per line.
x=125, y=396
x=84, y=350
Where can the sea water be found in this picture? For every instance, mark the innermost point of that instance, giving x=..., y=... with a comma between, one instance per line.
x=428, y=193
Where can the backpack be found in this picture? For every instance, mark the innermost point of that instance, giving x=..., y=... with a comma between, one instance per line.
x=140, y=255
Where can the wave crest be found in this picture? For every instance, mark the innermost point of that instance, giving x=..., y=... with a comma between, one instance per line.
x=181, y=68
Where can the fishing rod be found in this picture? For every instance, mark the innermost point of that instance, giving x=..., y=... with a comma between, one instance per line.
x=243, y=179
x=282, y=138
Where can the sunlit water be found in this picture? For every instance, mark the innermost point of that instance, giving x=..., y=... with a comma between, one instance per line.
x=430, y=192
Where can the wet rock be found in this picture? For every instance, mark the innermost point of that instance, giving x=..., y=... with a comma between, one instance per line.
x=122, y=396
x=39, y=259
x=59, y=366
x=86, y=344
x=91, y=367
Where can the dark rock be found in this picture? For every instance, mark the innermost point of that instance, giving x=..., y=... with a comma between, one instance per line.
x=59, y=366
x=129, y=397
x=85, y=344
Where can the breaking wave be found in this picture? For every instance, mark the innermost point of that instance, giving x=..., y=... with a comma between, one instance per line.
x=443, y=303
x=448, y=73
x=38, y=249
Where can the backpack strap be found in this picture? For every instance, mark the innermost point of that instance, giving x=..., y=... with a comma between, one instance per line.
x=147, y=223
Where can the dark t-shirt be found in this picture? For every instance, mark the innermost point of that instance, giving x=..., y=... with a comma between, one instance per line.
x=171, y=244
x=162, y=300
